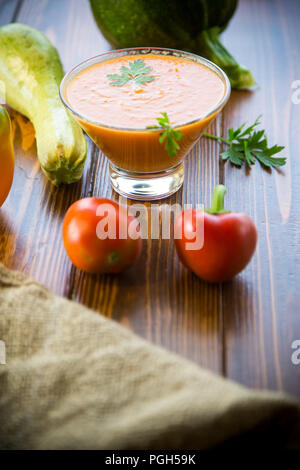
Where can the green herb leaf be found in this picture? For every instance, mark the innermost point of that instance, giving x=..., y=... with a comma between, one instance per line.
x=137, y=71
x=248, y=145
x=118, y=80
x=169, y=136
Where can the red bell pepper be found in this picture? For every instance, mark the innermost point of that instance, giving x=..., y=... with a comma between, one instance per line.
x=229, y=240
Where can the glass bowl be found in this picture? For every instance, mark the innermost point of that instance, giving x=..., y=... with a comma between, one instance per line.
x=140, y=167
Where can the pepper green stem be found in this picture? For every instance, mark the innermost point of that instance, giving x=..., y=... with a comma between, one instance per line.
x=217, y=205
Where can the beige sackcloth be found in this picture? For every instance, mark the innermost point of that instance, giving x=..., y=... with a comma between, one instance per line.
x=75, y=380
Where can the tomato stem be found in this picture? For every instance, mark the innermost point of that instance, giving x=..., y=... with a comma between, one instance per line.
x=217, y=205
x=113, y=258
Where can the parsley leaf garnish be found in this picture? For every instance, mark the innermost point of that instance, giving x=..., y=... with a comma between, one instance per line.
x=169, y=135
x=248, y=145
x=137, y=71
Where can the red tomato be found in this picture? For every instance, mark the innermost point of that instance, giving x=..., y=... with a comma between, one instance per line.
x=229, y=241
x=100, y=236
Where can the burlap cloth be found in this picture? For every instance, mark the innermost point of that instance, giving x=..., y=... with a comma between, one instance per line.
x=74, y=379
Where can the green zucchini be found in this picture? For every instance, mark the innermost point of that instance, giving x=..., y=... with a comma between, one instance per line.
x=31, y=71
x=191, y=25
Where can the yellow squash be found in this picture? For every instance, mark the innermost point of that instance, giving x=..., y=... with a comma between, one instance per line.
x=7, y=158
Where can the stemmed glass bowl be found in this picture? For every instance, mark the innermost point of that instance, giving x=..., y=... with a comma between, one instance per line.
x=140, y=167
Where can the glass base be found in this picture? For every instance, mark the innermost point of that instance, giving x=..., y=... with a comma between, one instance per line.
x=147, y=186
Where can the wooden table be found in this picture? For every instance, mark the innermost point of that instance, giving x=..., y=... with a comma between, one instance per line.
x=243, y=329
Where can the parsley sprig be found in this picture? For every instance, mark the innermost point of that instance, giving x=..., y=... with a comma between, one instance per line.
x=248, y=145
x=137, y=71
x=169, y=135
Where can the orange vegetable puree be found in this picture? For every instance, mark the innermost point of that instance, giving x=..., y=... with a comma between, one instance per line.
x=183, y=89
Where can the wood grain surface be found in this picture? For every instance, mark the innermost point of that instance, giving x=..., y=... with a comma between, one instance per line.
x=243, y=329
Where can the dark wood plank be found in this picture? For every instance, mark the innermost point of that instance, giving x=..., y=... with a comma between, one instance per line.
x=69, y=25
x=260, y=308
x=243, y=329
